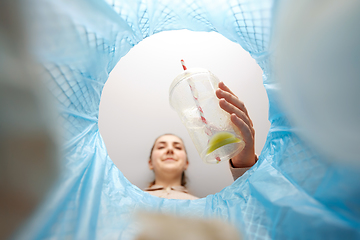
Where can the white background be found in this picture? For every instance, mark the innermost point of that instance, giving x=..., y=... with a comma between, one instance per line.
x=135, y=110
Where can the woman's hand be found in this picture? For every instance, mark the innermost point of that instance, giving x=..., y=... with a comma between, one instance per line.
x=240, y=118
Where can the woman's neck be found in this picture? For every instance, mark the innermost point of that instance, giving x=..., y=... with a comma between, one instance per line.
x=168, y=181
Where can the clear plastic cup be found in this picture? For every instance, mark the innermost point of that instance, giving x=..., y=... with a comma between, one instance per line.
x=192, y=95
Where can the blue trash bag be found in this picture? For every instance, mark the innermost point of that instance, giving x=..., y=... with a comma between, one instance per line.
x=292, y=192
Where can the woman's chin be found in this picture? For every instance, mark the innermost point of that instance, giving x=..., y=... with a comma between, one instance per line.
x=172, y=166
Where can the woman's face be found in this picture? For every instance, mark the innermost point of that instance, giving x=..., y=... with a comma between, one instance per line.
x=168, y=155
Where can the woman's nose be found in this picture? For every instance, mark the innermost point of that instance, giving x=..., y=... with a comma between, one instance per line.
x=170, y=150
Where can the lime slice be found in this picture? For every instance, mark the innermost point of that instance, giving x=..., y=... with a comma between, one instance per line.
x=220, y=139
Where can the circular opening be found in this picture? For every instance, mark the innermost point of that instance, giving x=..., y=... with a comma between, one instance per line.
x=135, y=109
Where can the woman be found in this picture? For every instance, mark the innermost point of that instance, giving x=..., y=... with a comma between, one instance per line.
x=168, y=158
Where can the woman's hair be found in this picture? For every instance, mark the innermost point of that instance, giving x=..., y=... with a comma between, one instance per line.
x=183, y=176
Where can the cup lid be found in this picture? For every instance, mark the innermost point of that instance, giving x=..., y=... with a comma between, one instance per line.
x=186, y=74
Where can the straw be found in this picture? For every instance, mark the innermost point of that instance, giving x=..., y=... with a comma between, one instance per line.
x=195, y=96
x=183, y=64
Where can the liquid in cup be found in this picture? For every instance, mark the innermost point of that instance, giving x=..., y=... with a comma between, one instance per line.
x=192, y=95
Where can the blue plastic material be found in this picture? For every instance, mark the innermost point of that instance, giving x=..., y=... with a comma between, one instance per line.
x=290, y=193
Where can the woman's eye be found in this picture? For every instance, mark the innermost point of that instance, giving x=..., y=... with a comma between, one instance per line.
x=178, y=148
x=160, y=147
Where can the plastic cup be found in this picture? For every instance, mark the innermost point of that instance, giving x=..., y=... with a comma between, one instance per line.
x=192, y=95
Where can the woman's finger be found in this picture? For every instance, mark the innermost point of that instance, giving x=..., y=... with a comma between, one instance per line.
x=229, y=96
x=225, y=88
x=230, y=108
x=246, y=131
x=234, y=100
